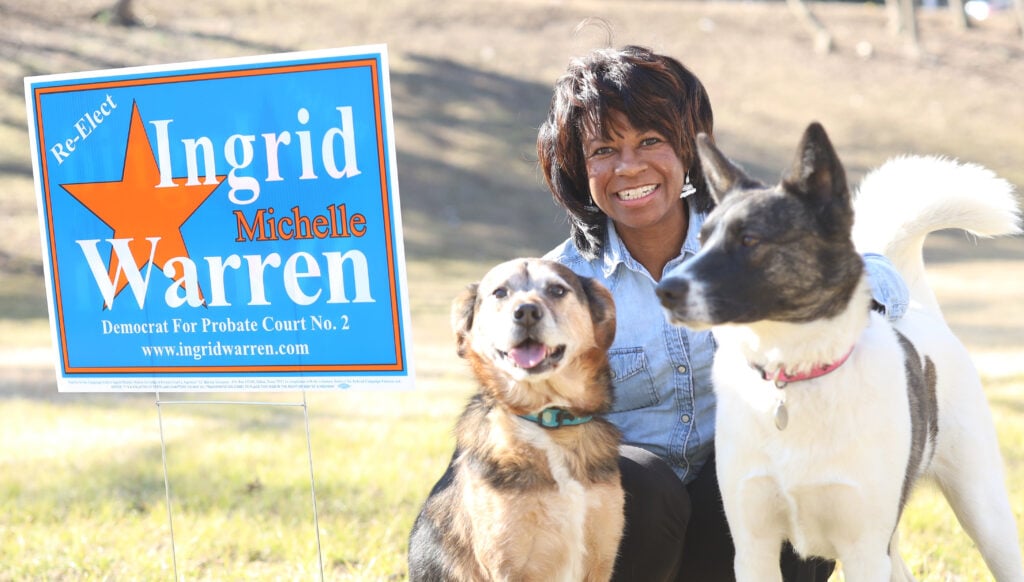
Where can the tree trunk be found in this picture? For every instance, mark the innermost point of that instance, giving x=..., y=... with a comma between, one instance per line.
x=124, y=14
x=822, y=37
x=1018, y=7
x=121, y=13
x=895, y=13
x=960, y=20
x=908, y=14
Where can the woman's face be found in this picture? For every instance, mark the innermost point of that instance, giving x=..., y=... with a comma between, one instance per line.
x=635, y=176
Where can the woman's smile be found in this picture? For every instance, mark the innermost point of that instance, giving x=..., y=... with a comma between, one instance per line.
x=637, y=193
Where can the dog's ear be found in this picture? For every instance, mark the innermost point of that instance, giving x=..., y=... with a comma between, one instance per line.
x=602, y=311
x=463, y=309
x=721, y=175
x=818, y=176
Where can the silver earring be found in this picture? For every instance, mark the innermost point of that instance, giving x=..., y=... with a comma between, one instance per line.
x=688, y=188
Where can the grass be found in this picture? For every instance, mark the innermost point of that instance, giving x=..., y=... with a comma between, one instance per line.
x=82, y=492
x=81, y=476
x=931, y=541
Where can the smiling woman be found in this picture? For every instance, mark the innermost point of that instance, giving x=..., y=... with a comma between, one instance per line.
x=618, y=150
x=636, y=178
x=618, y=144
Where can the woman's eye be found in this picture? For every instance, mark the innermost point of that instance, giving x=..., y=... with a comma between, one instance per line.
x=500, y=293
x=557, y=290
x=601, y=151
x=649, y=141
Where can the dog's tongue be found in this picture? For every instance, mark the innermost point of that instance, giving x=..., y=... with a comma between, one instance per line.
x=528, y=355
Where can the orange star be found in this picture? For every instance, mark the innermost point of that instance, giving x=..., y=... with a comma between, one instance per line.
x=136, y=209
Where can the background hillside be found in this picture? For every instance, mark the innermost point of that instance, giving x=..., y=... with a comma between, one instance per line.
x=470, y=84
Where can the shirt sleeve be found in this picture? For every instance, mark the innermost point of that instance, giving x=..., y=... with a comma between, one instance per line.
x=888, y=289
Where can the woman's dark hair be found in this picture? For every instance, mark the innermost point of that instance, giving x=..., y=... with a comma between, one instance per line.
x=655, y=92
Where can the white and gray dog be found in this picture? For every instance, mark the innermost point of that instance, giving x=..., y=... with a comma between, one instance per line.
x=827, y=413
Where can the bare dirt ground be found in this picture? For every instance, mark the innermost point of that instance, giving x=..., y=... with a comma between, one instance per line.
x=471, y=82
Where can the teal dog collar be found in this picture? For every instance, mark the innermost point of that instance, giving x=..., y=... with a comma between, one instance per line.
x=555, y=418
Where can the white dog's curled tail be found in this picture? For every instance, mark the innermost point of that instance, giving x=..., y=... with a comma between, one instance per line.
x=900, y=203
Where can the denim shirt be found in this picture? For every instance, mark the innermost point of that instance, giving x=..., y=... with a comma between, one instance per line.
x=664, y=400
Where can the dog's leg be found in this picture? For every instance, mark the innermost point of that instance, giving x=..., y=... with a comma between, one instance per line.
x=973, y=484
x=867, y=560
x=983, y=509
x=900, y=571
x=756, y=559
x=603, y=531
x=755, y=513
x=968, y=468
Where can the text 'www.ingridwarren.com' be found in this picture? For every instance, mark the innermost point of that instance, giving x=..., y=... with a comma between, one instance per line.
x=218, y=349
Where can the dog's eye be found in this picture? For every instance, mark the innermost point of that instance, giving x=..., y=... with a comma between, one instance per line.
x=500, y=293
x=750, y=240
x=556, y=290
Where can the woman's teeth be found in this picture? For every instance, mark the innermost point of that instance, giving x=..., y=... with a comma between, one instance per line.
x=636, y=193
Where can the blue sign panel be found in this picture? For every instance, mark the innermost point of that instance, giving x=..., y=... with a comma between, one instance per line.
x=223, y=225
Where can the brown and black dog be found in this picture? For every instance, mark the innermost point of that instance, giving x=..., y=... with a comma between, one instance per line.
x=533, y=490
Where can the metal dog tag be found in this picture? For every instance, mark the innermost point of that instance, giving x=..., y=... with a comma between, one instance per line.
x=781, y=415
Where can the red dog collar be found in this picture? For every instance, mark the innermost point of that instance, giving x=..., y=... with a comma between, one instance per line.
x=781, y=377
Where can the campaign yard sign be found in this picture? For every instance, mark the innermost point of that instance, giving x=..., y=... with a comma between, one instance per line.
x=226, y=225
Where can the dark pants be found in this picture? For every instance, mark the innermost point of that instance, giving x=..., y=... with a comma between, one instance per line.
x=677, y=532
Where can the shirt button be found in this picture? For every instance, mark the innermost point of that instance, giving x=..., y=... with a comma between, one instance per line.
x=681, y=369
x=686, y=418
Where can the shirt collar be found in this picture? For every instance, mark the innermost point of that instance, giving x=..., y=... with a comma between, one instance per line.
x=615, y=252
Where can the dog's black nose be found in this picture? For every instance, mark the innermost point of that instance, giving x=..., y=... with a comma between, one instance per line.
x=527, y=314
x=672, y=291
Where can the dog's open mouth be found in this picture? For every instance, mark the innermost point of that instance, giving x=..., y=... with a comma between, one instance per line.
x=533, y=356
